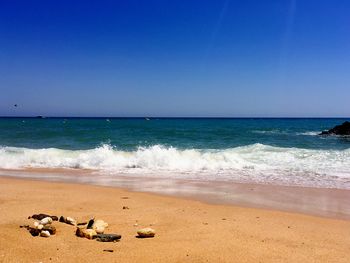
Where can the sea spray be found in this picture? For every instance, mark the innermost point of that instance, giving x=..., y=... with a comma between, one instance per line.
x=257, y=162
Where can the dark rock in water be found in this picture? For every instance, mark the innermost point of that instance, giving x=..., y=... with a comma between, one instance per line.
x=42, y=216
x=107, y=237
x=343, y=129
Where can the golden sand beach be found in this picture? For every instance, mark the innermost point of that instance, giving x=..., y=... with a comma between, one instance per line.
x=186, y=230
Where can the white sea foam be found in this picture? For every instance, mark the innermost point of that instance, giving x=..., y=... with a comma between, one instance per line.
x=279, y=132
x=269, y=131
x=253, y=163
x=309, y=133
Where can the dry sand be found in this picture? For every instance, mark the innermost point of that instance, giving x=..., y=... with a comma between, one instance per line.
x=187, y=230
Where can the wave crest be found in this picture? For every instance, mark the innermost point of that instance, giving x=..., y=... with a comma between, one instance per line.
x=257, y=162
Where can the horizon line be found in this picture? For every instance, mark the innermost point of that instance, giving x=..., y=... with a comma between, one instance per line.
x=174, y=117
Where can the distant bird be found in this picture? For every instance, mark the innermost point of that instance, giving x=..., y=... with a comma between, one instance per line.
x=15, y=105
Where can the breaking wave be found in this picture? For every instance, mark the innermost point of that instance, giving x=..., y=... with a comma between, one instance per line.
x=256, y=163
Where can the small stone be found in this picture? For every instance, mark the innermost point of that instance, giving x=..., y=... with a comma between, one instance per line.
x=89, y=233
x=99, y=226
x=68, y=220
x=45, y=233
x=71, y=221
x=79, y=232
x=125, y=207
x=42, y=216
x=34, y=232
x=90, y=223
x=107, y=237
x=146, y=232
x=46, y=220
x=50, y=228
x=99, y=229
x=108, y=250
x=136, y=224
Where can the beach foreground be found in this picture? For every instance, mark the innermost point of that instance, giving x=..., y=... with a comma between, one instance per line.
x=187, y=230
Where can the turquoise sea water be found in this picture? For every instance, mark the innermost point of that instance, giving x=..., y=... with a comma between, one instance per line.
x=283, y=151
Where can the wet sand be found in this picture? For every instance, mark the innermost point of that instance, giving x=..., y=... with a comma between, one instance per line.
x=333, y=203
x=187, y=230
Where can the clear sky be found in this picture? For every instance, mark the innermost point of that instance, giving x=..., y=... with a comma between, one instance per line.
x=175, y=58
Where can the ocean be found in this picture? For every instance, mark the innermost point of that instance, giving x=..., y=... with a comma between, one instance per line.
x=276, y=151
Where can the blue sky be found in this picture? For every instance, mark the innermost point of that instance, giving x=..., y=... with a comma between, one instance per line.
x=175, y=58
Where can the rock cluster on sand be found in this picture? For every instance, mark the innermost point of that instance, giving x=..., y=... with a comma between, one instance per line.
x=44, y=227
x=94, y=229
x=42, y=216
x=343, y=129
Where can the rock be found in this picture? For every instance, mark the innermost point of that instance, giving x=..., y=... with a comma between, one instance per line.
x=146, y=232
x=79, y=232
x=68, y=220
x=46, y=220
x=99, y=226
x=125, y=207
x=87, y=233
x=91, y=222
x=71, y=221
x=343, y=129
x=108, y=250
x=107, y=237
x=42, y=216
x=99, y=229
x=50, y=228
x=45, y=233
x=37, y=225
x=34, y=232
x=100, y=222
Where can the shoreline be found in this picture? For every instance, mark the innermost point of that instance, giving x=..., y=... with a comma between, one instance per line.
x=324, y=202
x=187, y=230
